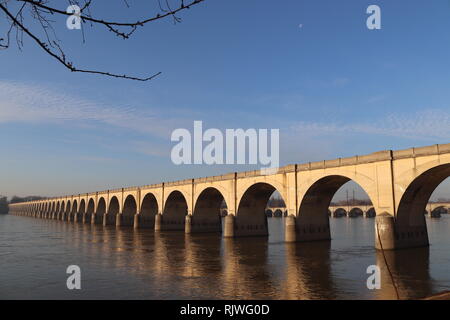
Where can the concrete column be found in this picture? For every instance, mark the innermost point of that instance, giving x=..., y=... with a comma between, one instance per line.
x=228, y=231
x=93, y=218
x=188, y=224
x=136, y=221
x=158, y=222
x=118, y=219
x=385, y=232
x=75, y=217
x=290, y=232
x=105, y=217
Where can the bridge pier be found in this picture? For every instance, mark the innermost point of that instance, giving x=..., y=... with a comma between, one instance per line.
x=244, y=227
x=146, y=221
x=136, y=221
x=389, y=235
x=158, y=222
x=434, y=214
x=188, y=224
x=118, y=220
x=127, y=220
x=306, y=229
x=163, y=222
x=195, y=224
x=228, y=231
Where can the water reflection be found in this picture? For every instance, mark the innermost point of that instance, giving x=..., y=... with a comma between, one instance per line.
x=404, y=274
x=308, y=271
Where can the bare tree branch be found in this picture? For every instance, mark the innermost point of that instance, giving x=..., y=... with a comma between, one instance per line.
x=40, y=12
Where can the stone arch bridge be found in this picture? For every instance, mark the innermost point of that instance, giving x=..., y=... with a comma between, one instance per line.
x=398, y=183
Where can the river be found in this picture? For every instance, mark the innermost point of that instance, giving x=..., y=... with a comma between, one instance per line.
x=139, y=264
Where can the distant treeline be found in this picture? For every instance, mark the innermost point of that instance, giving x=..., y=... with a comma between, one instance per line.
x=4, y=203
x=441, y=200
x=16, y=199
x=352, y=202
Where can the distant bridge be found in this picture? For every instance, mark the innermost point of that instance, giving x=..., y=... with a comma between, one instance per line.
x=433, y=209
x=398, y=183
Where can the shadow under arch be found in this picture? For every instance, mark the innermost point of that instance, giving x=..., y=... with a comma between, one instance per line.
x=251, y=218
x=89, y=211
x=66, y=213
x=113, y=210
x=81, y=211
x=277, y=213
x=207, y=211
x=370, y=213
x=74, y=210
x=437, y=212
x=61, y=211
x=129, y=211
x=52, y=210
x=339, y=212
x=101, y=210
x=312, y=221
x=355, y=212
x=175, y=211
x=55, y=214
x=149, y=210
x=410, y=224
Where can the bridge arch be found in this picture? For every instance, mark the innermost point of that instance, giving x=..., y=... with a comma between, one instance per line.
x=62, y=210
x=370, y=213
x=45, y=209
x=89, y=211
x=175, y=211
x=101, y=210
x=411, y=228
x=52, y=211
x=74, y=210
x=113, y=210
x=415, y=198
x=339, y=212
x=82, y=208
x=56, y=213
x=439, y=210
x=312, y=221
x=149, y=210
x=207, y=211
x=129, y=211
x=67, y=212
x=355, y=212
x=275, y=184
x=251, y=219
x=278, y=213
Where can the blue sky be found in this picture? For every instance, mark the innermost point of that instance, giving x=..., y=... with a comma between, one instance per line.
x=310, y=68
